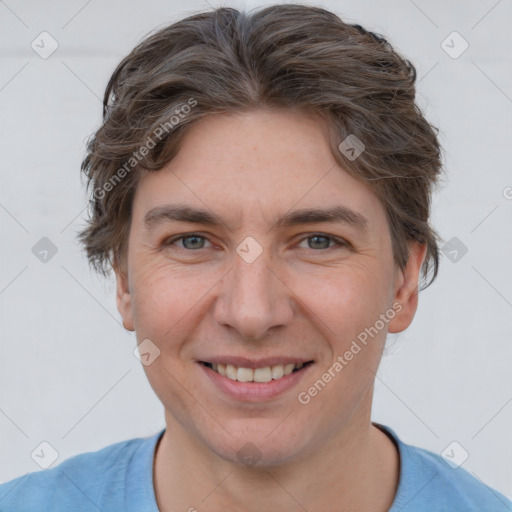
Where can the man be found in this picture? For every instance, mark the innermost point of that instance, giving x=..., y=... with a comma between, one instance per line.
x=261, y=188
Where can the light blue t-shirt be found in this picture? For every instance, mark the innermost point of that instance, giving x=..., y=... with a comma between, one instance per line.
x=119, y=478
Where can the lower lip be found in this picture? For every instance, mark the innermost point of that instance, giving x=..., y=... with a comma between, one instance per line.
x=255, y=391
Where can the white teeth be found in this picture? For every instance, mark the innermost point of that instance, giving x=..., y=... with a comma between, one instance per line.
x=277, y=371
x=231, y=371
x=265, y=374
x=288, y=368
x=244, y=374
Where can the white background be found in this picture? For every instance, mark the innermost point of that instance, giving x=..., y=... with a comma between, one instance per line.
x=67, y=372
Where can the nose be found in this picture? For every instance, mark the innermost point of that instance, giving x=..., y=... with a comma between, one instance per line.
x=254, y=298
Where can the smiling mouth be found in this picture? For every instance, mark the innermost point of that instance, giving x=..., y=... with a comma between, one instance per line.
x=265, y=374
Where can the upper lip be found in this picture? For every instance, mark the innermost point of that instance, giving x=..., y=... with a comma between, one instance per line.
x=244, y=362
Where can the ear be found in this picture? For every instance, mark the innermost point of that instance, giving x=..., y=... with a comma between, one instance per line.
x=406, y=288
x=123, y=298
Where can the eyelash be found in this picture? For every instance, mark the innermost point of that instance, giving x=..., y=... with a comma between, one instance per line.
x=338, y=241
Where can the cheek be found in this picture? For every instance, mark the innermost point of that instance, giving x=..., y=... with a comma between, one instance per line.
x=349, y=307
x=350, y=299
x=165, y=297
x=157, y=300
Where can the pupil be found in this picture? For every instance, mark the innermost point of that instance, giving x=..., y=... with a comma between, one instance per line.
x=192, y=238
x=321, y=237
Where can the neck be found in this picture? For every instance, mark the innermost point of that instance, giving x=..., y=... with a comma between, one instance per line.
x=356, y=468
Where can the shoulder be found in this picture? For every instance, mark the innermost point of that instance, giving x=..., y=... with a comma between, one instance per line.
x=82, y=482
x=428, y=482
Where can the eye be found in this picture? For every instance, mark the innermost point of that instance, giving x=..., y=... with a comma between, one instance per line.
x=191, y=241
x=195, y=241
x=321, y=241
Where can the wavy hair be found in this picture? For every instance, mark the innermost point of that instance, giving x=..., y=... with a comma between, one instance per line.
x=279, y=57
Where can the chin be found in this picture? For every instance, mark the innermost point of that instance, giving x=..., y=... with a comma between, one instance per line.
x=256, y=450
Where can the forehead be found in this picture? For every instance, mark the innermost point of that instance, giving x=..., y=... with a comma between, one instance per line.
x=258, y=165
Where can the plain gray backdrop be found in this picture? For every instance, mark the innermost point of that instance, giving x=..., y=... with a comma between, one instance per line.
x=68, y=376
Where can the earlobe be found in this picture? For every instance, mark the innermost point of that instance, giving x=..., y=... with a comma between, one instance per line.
x=123, y=299
x=406, y=288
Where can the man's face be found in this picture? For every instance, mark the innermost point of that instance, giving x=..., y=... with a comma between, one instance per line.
x=253, y=288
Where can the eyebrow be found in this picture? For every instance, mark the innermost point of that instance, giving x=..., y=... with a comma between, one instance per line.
x=184, y=213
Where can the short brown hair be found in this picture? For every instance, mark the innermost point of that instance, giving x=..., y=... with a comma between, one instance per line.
x=280, y=57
